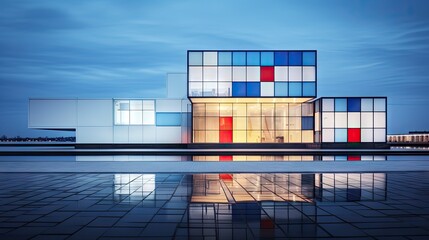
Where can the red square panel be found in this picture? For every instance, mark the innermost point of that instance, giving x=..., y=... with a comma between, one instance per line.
x=226, y=177
x=267, y=74
x=353, y=135
x=225, y=136
x=353, y=158
x=226, y=158
x=225, y=123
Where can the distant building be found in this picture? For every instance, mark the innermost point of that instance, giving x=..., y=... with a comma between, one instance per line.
x=411, y=137
x=226, y=97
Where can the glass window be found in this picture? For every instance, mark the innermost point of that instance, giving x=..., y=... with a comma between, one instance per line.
x=309, y=58
x=225, y=58
x=210, y=89
x=295, y=89
x=282, y=109
x=281, y=89
x=226, y=109
x=195, y=58
x=253, y=89
x=281, y=58
x=168, y=119
x=282, y=136
x=307, y=137
x=328, y=135
x=317, y=121
x=225, y=136
x=294, y=123
x=239, y=58
x=295, y=58
x=136, y=105
x=253, y=74
x=295, y=109
x=239, y=109
x=212, y=109
x=225, y=123
x=254, y=136
x=210, y=74
x=327, y=104
x=282, y=123
x=148, y=117
x=212, y=123
x=238, y=89
x=267, y=89
x=340, y=135
x=195, y=89
x=136, y=118
x=354, y=120
x=199, y=123
x=253, y=123
x=239, y=123
x=379, y=135
x=328, y=120
x=307, y=109
x=309, y=74
x=379, y=104
x=239, y=136
x=267, y=59
x=267, y=109
x=353, y=104
x=307, y=123
x=225, y=74
x=309, y=89
x=379, y=120
x=199, y=109
x=367, y=135
x=295, y=73
x=253, y=59
x=239, y=74
x=281, y=74
x=294, y=136
x=367, y=104
x=195, y=74
x=341, y=104
x=367, y=120
x=212, y=136
x=148, y=105
x=341, y=120
x=210, y=58
x=268, y=123
x=224, y=89
x=253, y=109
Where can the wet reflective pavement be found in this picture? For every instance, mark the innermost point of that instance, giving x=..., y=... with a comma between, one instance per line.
x=214, y=206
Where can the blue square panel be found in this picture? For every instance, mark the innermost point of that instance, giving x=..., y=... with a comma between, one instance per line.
x=239, y=58
x=253, y=89
x=281, y=89
x=309, y=89
x=341, y=135
x=353, y=104
x=295, y=58
x=267, y=59
x=341, y=104
x=253, y=59
x=168, y=119
x=281, y=58
x=195, y=58
x=309, y=58
x=295, y=89
x=224, y=58
x=239, y=89
x=307, y=123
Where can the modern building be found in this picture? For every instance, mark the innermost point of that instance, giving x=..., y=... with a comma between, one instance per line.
x=411, y=137
x=227, y=97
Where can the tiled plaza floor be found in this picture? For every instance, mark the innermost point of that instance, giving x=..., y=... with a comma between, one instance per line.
x=214, y=206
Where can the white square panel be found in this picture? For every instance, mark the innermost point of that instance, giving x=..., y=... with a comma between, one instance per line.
x=295, y=73
x=328, y=135
x=281, y=74
x=309, y=73
x=367, y=120
x=379, y=135
x=327, y=104
x=366, y=135
x=210, y=58
x=239, y=74
x=224, y=74
x=224, y=89
x=210, y=74
x=267, y=89
x=379, y=119
x=354, y=120
x=195, y=74
x=340, y=120
x=327, y=120
x=253, y=74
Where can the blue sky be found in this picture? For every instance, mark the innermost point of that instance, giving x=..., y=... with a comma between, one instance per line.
x=105, y=49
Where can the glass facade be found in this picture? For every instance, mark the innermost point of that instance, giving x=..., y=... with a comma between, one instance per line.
x=252, y=73
x=351, y=120
x=134, y=112
x=253, y=123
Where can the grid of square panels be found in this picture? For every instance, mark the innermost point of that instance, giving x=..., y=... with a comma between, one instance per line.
x=252, y=73
x=350, y=120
